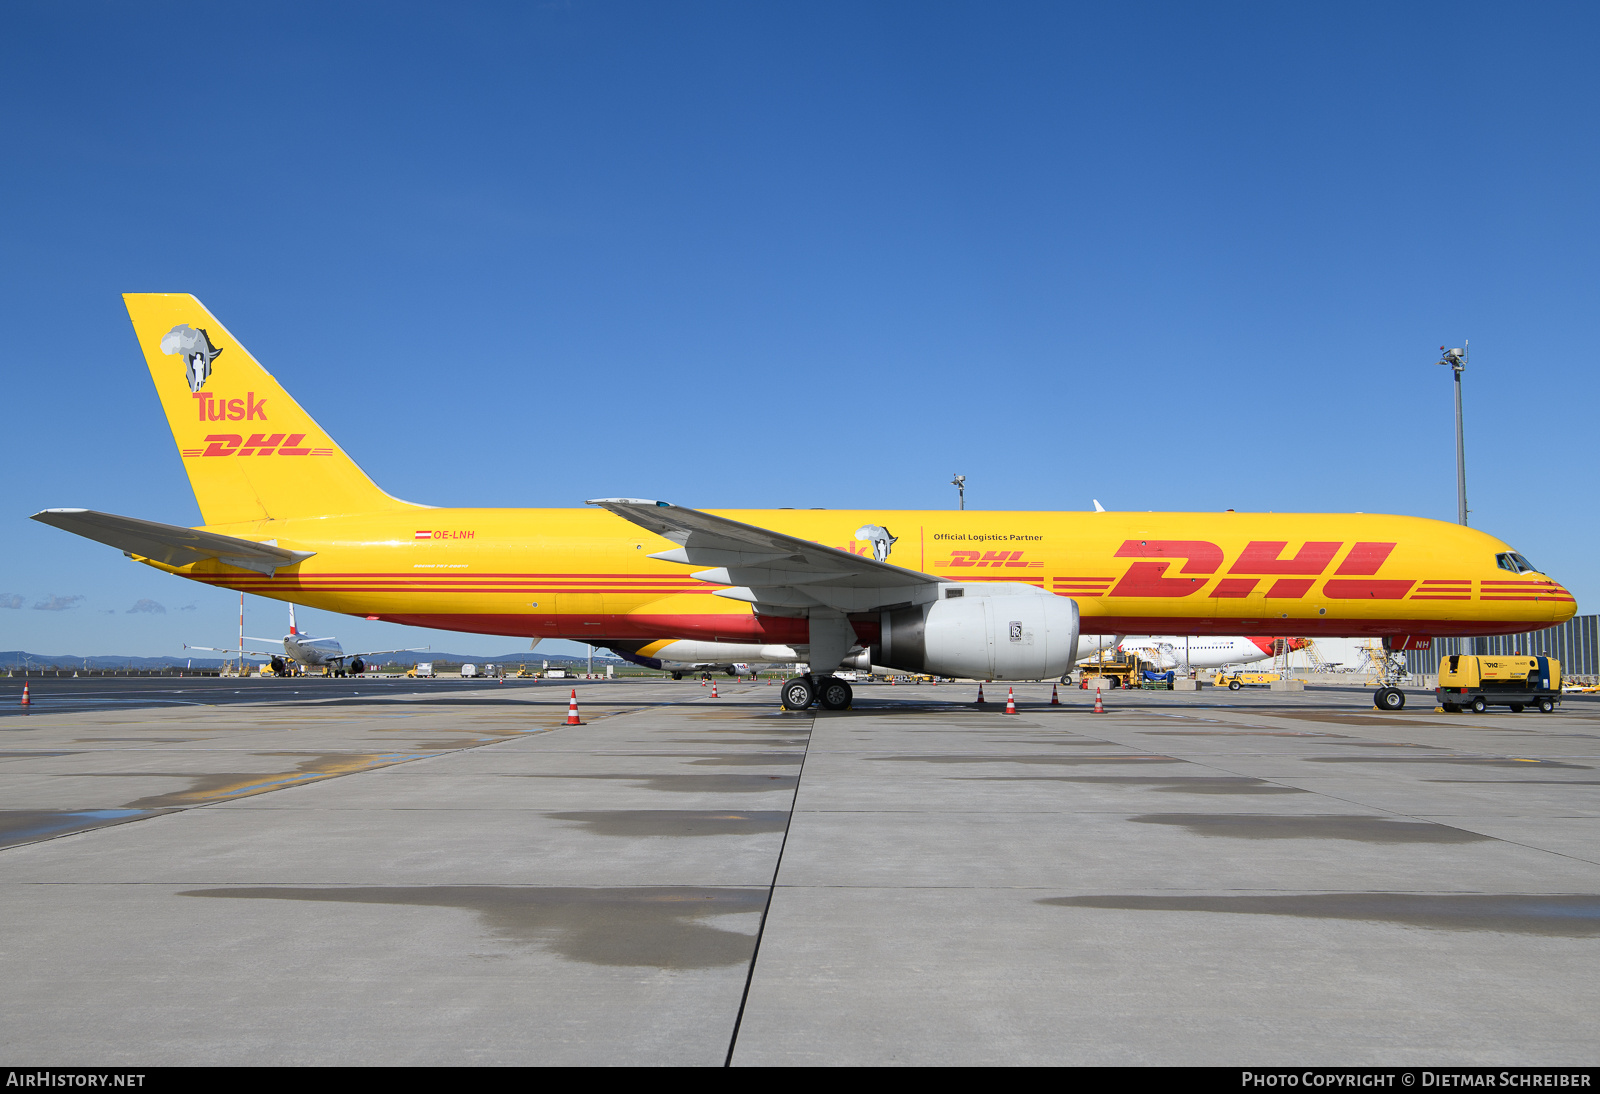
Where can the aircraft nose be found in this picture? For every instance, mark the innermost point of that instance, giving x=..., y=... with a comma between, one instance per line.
x=1564, y=605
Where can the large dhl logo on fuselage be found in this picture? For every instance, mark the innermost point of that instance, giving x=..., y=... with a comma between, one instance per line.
x=1262, y=563
x=1263, y=568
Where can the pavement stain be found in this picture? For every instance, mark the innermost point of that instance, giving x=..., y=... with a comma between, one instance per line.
x=226, y=786
x=1236, y=733
x=638, y=823
x=1080, y=742
x=1471, y=761
x=19, y=826
x=1386, y=744
x=770, y=742
x=461, y=742
x=1411, y=722
x=734, y=759
x=654, y=927
x=1361, y=829
x=1519, y=782
x=1048, y=761
x=1561, y=915
x=1175, y=785
x=691, y=784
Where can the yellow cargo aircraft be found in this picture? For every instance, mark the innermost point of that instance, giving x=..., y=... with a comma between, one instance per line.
x=994, y=595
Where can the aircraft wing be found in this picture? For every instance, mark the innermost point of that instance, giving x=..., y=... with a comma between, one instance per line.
x=375, y=653
x=251, y=653
x=770, y=569
x=170, y=543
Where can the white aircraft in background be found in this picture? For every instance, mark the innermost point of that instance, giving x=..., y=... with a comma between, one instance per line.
x=1167, y=651
x=680, y=657
x=308, y=652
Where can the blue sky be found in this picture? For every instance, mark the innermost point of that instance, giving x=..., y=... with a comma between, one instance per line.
x=1174, y=256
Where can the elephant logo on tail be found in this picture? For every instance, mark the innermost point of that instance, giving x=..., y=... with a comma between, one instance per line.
x=198, y=352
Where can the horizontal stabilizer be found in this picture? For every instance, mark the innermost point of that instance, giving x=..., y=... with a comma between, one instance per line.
x=170, y=543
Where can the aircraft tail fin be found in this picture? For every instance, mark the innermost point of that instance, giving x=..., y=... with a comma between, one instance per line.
x=292, y=628
x=251, y=452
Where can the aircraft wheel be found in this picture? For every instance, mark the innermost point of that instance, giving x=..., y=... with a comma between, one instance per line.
x=1388, y=698
x=1516, y=708
x=836, y=694
x=798, y=694
x=1478, y=705
x=1546, y=705
x=677, y=676
x=1451, y=708
x=1235, y=686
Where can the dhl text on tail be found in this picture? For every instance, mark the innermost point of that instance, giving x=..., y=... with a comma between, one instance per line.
x=1003, y=594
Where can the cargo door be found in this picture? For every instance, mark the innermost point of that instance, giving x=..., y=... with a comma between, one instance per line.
x=580, y=615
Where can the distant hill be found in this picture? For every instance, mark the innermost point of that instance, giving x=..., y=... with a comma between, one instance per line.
x=16, y=659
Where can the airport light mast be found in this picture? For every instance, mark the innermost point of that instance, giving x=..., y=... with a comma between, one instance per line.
x=960, y=483
x=1456, y=359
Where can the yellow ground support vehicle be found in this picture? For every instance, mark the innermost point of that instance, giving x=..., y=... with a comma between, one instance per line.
x=1233, y=681
x=1119, y=672
x=1516, y=681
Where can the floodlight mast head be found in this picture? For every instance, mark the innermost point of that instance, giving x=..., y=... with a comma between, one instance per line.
x=960, y=483
x=1455, y=358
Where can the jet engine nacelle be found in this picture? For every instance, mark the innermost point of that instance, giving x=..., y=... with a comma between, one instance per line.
x=1008, y=637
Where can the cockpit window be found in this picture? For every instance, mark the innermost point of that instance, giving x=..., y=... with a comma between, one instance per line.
x=1515, y=563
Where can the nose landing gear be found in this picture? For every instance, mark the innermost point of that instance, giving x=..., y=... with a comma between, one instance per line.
x=1389, y=698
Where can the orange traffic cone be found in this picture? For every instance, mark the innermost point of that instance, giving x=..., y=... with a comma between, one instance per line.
x=713, y=690
x=572, y=709
x=1055, y=700
x=1011, y=701
x=27, y=702
x=702, y=681
x=893, y=681
x=980, y=693
x=1098, y=707
x=935, y=681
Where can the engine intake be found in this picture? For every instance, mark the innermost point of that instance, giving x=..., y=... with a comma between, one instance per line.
x=1010, y=637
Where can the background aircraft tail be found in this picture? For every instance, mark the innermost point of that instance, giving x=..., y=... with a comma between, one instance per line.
x=251, y=452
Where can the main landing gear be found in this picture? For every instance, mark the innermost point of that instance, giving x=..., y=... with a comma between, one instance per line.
x=833, y=693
